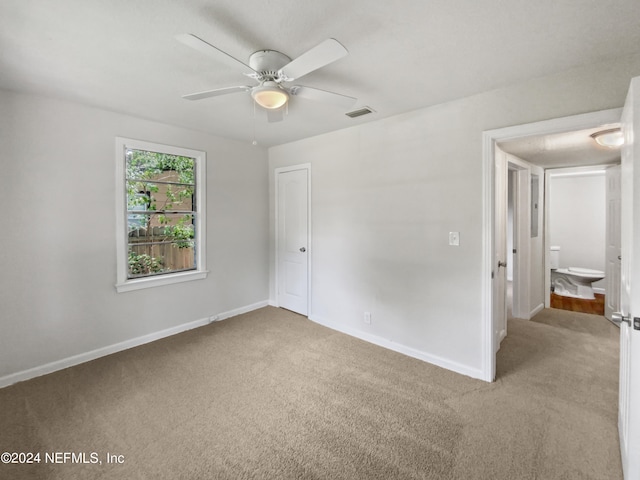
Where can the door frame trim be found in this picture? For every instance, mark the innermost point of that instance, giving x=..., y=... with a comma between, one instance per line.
x=276, y=173
x=489, y=140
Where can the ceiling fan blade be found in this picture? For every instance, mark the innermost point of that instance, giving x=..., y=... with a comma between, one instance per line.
x=323, y=96
x=323, y=54
x=217, y=92
x=214, y=52
x=275, y=115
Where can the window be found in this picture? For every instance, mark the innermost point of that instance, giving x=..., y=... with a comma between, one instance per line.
x=160, y=201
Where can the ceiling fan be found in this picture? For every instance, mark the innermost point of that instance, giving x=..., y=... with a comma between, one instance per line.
x=274, y=71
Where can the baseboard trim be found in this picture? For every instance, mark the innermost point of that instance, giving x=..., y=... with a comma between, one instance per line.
x=536, y=310
x=400, y=348
x=51, y=367
x=502, y=336
x=241, y=310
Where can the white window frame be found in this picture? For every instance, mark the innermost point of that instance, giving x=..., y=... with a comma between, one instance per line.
x=124, y=284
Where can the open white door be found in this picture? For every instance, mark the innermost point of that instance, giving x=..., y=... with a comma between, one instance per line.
x=629, y=397
x=292, y=229
x=500, y=252
x=519, y=255
x=613, y=253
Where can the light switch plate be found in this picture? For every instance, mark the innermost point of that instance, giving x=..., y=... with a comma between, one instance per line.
x=454, y=238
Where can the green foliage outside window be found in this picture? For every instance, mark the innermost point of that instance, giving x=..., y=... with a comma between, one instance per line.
x=160, y=210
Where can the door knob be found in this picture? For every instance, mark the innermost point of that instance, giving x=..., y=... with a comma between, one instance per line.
x=618, y=318
x=302, y=249
x=502, y=264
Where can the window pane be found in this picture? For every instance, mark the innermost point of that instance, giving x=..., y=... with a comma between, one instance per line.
x=147, y=259
x=144, y=165
x=160, y=213
x=159, y=242
x=165, y=244
x=160, y=196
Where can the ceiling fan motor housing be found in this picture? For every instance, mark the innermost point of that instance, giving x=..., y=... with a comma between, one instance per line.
x=267, y=63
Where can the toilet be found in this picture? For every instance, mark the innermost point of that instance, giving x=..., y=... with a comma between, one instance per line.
x=572, y=281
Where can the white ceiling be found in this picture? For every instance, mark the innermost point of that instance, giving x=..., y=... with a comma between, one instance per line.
x=561, y=150
x=121, y=55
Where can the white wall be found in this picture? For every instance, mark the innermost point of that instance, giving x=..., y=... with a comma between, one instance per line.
x=385, y=195
x=57, y=246
x=577, y=219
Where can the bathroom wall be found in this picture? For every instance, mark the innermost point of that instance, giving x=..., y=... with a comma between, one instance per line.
x=577, y=215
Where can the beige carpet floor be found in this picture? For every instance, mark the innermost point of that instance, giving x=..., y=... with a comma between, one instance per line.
x=271, y=395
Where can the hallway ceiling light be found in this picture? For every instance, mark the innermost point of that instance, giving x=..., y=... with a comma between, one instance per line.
x=611, y=138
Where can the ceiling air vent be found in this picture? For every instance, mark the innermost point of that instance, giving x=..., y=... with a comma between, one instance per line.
x=360, y=112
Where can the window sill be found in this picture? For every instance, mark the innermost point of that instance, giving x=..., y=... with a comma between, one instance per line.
x=169, y=279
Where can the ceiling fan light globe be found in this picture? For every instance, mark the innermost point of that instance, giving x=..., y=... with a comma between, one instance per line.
x=269, y=96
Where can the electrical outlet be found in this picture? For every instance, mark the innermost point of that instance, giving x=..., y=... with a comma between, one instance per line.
x=454, y=238
x=367, y=318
